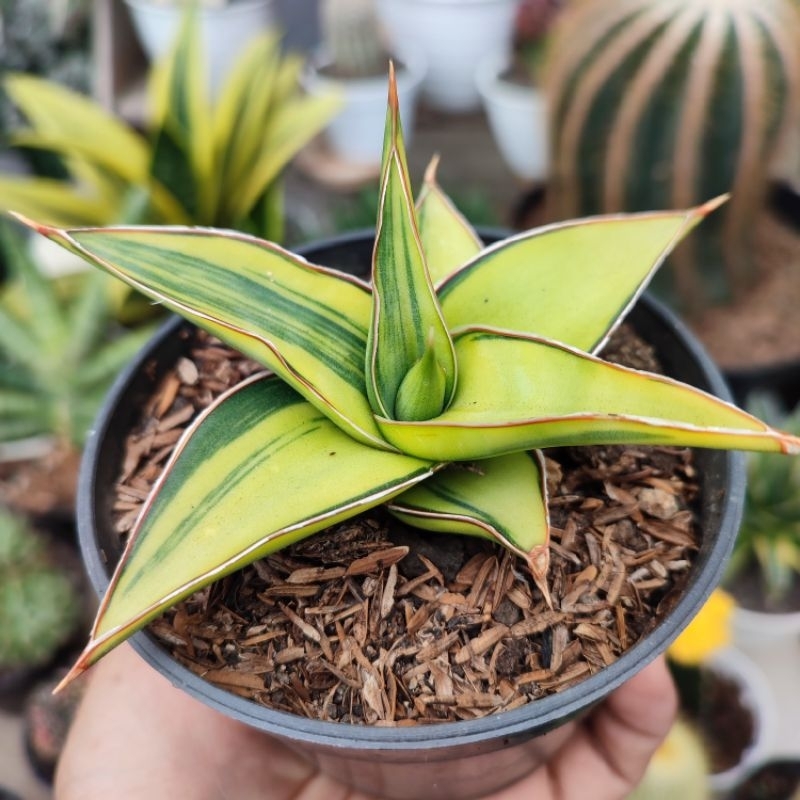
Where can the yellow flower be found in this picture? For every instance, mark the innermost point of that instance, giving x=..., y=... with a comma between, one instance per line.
x=708, y=632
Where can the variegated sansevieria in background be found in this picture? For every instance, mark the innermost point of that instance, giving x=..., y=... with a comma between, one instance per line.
x=198, y=163
x=665, y=103
x=453, y=353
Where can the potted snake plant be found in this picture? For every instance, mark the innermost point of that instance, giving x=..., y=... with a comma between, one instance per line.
x=429, y=390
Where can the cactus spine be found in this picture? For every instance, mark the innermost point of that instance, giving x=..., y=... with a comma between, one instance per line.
x=668, y=103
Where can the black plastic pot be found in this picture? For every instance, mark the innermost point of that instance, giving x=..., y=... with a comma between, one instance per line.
x=782, y=380
x=449, y=760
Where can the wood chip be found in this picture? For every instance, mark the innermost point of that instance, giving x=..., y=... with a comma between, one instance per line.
x=377, y=561
x=480, y=644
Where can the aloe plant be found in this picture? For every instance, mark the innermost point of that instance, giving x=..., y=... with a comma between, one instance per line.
x=769, y=537
x=58, y=349
x=197, y=164
x=453, y=353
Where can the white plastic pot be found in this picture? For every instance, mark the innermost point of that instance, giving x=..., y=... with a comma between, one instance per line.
x=757, y=628
x=355, y=134
x=224, y=30
x=517, y=117
x=757, y=696
x=453, y=37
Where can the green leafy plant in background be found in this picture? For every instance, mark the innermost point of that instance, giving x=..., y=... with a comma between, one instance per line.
x=430, y=389
x=40, y=608
x=59, y=349
x=199, y=164
x=769, y=537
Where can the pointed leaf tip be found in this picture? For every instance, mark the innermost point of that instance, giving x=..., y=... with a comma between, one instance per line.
x=38, y=227
x=712, y=205
x=394, y=102
x=429, y=179
x=77, y=669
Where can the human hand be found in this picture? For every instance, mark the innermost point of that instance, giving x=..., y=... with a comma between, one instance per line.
x=136, y=736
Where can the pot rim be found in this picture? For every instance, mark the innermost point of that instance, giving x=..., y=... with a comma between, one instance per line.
x=169, y=9
x=530, y=719
x=410, y=72
x=454, y=3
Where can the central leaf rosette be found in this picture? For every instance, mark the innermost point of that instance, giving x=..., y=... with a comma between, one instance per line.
x=373, y=392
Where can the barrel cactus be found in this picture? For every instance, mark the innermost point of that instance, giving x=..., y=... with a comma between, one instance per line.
x=666, y=103
x=351, y=34
x=40, y=608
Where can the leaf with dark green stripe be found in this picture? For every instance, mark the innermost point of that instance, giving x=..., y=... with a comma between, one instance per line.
x=503, y=498
x=306, y=323
x=292, y=125
x=242, y=112
x=449, y=241
x=408, y=340
x=519, y=393
x=260, y=469
x=183, y=151
x=591, y=271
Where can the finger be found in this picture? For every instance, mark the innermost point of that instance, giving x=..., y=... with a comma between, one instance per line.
x=609, y=752
x=135, y=736
x=624, y=732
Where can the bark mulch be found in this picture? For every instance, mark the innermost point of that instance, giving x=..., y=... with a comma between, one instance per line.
x=373, y=622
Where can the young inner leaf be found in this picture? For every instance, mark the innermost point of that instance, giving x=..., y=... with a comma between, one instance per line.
x=409, y=345
x=422, y=392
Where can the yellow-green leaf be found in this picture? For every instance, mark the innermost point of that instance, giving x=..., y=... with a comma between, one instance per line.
x=517, y=392
x=572, y=281
x=80, y=123
x=178, y=87
x=51, y=201
x=449, y=241
x=407, y=325
x=307, y=323
x=502, y=498
x=260, y=469
x=242, y=113
x=112, y=190
x=292, y=125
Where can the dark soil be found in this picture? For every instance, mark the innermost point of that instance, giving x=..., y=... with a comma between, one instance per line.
x=725, y=723
x=776, y=780
x=372, y=622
